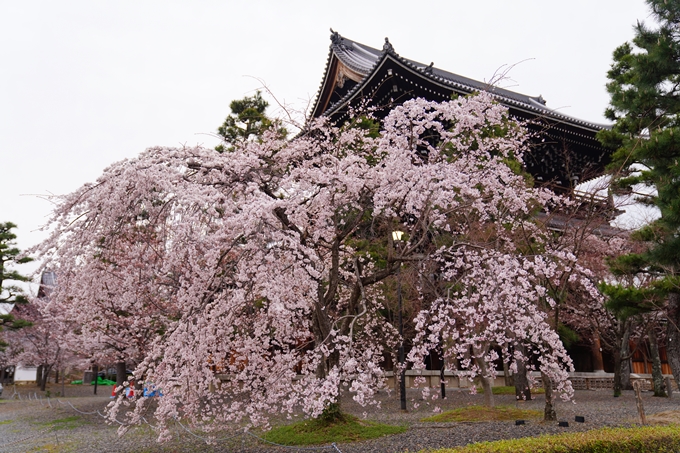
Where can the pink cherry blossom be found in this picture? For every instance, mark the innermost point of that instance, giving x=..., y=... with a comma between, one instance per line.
x=253, y=282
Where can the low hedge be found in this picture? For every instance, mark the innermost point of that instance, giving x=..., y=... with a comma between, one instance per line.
x=649, y=439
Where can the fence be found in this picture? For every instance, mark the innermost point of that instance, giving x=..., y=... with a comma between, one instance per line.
x=580, y=381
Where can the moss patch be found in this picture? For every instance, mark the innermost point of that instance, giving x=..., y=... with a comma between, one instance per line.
x=65, y=423
x=484, y=414
x=346, y=429
x=53, y=448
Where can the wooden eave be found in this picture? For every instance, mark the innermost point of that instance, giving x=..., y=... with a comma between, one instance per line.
x=385, y=80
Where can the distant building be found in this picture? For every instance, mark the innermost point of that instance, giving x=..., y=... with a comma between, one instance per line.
x=27, y=372
x=565, y=150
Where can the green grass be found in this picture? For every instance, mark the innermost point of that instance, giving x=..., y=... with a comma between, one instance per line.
x=61, y=447
x=6, y=422
x=484, y=414
x=655, y=439
x=65, y=423
x=311, y=432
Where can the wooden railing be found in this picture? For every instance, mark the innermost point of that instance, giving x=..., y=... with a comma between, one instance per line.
x=580, y=381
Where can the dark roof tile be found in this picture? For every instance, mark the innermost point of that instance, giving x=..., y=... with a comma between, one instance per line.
x=363, y=59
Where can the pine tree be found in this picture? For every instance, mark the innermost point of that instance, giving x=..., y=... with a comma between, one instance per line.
x=10, y=293
x=247, y=119
x=645, y=105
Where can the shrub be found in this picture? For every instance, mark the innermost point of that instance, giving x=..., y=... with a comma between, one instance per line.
x=607, y=440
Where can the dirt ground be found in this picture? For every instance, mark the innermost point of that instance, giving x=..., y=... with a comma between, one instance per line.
x=70, y=419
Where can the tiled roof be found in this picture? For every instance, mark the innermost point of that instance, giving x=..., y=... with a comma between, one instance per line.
x=364, y=59
x=48, y=280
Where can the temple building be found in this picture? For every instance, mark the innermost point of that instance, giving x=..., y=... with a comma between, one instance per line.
x=564, y=150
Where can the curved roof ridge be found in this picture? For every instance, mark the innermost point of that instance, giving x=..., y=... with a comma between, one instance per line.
x=323, y=79
x=364, y=59
x=338, y=48
x=331, y=108
x=535, y=103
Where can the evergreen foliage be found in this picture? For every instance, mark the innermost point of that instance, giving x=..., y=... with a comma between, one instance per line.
x=625, y=302
x=645, y=105
x=10, y=293
x=247, y=120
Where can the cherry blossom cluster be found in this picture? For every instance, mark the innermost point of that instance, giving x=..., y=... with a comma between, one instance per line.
x=253, y=282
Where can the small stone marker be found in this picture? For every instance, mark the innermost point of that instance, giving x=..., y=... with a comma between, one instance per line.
x=580, y=419
x=519, y=422
x=669, y=387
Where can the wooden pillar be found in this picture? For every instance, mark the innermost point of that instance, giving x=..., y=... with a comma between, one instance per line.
x=95, y=371
x=596, y=349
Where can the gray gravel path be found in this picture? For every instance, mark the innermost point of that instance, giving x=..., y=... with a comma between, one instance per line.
x=54, y=425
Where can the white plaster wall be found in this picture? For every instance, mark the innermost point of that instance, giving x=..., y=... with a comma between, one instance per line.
x=24, y=374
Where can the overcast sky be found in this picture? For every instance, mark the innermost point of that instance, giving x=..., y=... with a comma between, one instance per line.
x=86, y=83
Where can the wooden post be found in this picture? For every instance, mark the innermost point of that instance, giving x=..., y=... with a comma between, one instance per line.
x=442, y=384
x=638, y=401
x=95, y=371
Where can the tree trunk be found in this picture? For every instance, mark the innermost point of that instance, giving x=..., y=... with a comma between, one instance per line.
x=549, y=413
x=320, y=328
x=509, y=379
x=618, y=381
x=673, y=335
x=484, y=371
x=657, y=375
x=522, y=390
x=596, y=352
x=622, y=358
x=625, y=363
x=121, y=377
x=489, y=400
x=45, y=375
x=38, y=376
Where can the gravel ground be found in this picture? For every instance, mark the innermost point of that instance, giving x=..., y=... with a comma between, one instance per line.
x=71, y=424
